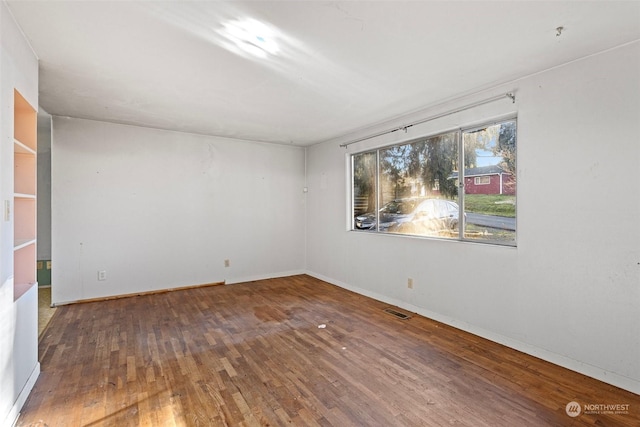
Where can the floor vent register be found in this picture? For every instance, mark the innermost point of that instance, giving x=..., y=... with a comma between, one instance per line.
x=397, y=314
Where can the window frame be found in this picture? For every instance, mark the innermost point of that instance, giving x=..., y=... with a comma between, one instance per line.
x=460, y=199
x=477, y=180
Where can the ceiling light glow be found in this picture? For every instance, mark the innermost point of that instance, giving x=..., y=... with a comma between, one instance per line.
x=251, y=36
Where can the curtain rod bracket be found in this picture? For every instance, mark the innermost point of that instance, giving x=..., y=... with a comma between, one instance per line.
x=511, y=96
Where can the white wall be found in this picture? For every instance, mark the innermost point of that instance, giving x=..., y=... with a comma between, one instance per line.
x=570, y=291
x=159, y=209
x=19, y=366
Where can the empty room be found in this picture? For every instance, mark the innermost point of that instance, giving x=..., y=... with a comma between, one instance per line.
x=319, y=213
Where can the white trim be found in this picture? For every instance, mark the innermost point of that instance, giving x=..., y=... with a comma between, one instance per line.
x=180, y=288
x=595, y=372
x=237, y=280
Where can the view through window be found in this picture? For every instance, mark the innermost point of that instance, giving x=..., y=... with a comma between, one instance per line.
x=455, y=185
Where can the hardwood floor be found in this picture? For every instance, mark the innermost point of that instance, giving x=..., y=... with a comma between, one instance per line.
x=253, y=354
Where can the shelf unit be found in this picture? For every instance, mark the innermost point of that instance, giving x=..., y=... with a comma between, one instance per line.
x=24, y=195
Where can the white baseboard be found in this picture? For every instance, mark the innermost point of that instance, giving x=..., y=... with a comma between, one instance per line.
x=236, y=280
x=600, y=374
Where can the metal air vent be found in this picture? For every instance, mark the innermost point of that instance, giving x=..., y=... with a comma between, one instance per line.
x=396, y=313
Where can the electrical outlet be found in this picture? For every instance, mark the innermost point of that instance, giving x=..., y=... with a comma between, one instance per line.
x=410, y=283
x=102, y=274
x=227, y=263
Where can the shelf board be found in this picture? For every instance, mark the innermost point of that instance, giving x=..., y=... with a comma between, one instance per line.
x=19, y=147
x=22, y=243
x=24, y=196
x=20, y=289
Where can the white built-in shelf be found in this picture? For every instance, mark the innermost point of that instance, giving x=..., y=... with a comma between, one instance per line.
x=24, y=276
x=20, y=289
x=24, y=196
x=22, y=243
x=21, y=148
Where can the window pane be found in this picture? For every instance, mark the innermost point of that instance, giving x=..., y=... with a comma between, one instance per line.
x=490, y=183
x=400, y=184
x=364, y=190
x=413, y=188
x=417, y=188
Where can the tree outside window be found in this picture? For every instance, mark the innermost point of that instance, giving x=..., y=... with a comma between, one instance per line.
x=413, y=188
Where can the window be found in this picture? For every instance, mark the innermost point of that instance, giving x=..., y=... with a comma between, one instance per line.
x=413, y=188
x=482, y=180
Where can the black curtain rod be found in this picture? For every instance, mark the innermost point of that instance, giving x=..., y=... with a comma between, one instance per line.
x=510, y=95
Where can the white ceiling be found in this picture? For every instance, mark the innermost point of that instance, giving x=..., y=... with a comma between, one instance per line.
x=341, y=66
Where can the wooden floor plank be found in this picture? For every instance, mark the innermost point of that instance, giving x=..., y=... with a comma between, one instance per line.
x=252, y=354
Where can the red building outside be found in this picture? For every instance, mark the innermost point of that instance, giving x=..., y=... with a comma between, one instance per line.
x=488, y=180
